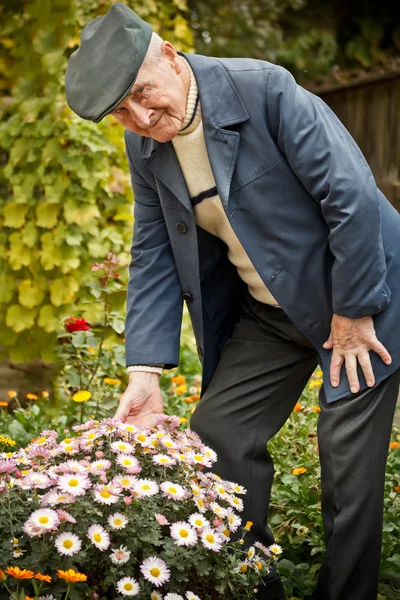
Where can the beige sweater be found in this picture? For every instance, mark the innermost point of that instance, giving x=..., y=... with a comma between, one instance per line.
x=192, y=154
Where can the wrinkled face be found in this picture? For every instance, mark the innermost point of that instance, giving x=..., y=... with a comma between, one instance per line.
x=156, y=105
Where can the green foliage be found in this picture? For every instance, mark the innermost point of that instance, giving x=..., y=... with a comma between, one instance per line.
x=65, y=194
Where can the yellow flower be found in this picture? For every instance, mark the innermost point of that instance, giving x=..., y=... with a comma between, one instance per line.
x=299, y=471
x=31, y=396
x=11, y=393
x=248, y=525
x=81, y=396
x=112, y=381
x=181, y=389
x=318, y=373
x=71, y=575
x=45, y=394
x=182, y=420
x=92, y=350
x=316, y=408
x=17, y=573
x=7, y=441
x=394, y=445
x=316, y=383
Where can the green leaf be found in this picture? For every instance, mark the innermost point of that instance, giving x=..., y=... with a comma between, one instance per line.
x=48, y=318
x=7, y=287
x=50, y=254
x=19, y=255
x=31, y=293
x=63, y=291
x=19, y=317
x=14, y=214
x=46, y=215
x=81, y=214
x=29, y=234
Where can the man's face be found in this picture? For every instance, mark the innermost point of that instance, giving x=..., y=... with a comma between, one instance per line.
x=156, y=105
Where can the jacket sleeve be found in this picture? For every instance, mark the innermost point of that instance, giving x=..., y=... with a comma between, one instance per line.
x=331, y=167
x=154, y=299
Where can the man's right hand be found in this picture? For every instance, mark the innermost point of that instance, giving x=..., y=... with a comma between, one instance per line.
x=142, y=400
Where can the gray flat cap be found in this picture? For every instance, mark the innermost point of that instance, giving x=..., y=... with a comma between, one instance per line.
x=102, y=71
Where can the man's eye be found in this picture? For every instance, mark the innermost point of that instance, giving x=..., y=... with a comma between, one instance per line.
x=118, y=111
x=140, y=90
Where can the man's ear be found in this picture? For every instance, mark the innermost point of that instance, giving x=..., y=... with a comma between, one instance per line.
x=169, y=52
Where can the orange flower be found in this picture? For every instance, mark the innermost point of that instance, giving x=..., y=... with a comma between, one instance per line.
x=2, y=574
x=43, y=577
x=2, y=403
x=29, y=598
x=397, y=488
x=195, y=397
x=45, y=394
x=179, y=380
x=11, y=393
x=297, y=407
x=394, y=445
x=71, y=575
x=299, y=471
x=248, y=525
x=17, y=573
x=316, y=408
x=31, y=396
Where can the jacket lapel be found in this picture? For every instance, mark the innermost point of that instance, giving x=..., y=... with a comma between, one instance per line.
x=221, y=106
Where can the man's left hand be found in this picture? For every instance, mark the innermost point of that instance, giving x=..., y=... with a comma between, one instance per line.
x=351, y=340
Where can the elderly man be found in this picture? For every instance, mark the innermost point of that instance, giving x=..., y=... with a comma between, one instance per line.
x=254, y=204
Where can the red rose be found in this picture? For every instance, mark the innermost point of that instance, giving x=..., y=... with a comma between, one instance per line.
x=74, y=324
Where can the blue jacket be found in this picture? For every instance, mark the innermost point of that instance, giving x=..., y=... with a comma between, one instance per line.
x=303, y=203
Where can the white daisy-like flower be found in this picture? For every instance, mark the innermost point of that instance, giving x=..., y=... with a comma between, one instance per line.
x=126, y=427
x=129, y=462
x=220, y=489
x=127, y=586
x=99, y=537
x=218, y=509
x=198, y=521
x=243, y=566
x=212, y=539
x=143, y=438
x=210, y=453
x=124, y=481
x=46, y=518
x=34, y=479
x=155, y=595
x=155, y=570
x=67, y=543
x=54, y=498
x=72, y=466
x=251, y=552
x=117, y=521
x=47, y=597
x=233, y=519
x=18, y=552
x=199, y=502
x=145, y=487
x=239, y=489
x=120, y=556
x=191, y=596
x=183, y=534
x=167, y=442
x=164, y=460
x=275, y=549
x=99, y=466
x=196, y=458
x=236, y=503
x=74, y=483
x=104, y=494
x=173, y=596
x=173, y=490
x=124, y=447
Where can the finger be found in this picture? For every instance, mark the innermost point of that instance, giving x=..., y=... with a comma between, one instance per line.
x=336, y=365
x=122, y=413
x=329, y=343
x=365, y=363
x=351, y=370
x=381, y=351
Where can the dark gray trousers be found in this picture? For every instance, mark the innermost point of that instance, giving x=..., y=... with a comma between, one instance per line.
x=263, y=370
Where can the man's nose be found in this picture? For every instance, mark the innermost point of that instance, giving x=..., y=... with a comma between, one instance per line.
x=141, y=116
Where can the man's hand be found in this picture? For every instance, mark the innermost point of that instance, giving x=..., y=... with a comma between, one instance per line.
x=142, y=400
x=351, y=341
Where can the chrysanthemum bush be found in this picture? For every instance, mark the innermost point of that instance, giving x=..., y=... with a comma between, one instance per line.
x=116, y=510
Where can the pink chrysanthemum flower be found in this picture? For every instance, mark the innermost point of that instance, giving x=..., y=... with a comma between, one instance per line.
x=53, y=498
x=105, y=494
x=161, y=520
x=34, y=479
x=163, y=460
x=120, y=556
x=121, y=446
x=63, y=515
x=155, y=570
x=8, y=465
x=37, y=451
x=99, y=466
x=183, y=534
x=130, y=463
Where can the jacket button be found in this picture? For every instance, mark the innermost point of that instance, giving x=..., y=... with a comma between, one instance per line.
x=181, y=227
x=188, y=297
x=199, y=352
